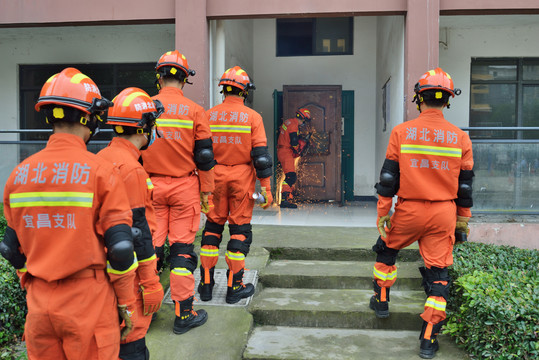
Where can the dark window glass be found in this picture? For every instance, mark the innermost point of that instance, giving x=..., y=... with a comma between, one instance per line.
x=109, y=78
x=494, y=70
x=531, y=69
x=504, y=93
x=530, y=109
x=315, y=36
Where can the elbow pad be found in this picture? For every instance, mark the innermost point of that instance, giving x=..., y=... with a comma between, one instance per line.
x=142, y=235
x=464, y=194
x=119, y=243
x=262, y=161
x=204, y=154
x=389, y=179
x=9, y=248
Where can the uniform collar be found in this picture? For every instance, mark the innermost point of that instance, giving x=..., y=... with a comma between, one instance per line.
x=64, y=138
x=170, y=90
x=233, y=100
x=128, y=145
x=432, y=112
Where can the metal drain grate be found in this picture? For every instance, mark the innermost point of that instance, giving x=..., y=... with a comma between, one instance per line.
x=219, y=290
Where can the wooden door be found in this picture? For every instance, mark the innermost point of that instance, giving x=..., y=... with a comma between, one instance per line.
x=319, y=171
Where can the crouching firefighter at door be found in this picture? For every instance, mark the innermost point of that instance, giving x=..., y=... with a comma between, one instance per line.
x=428, y=165
x=180, y=164
x=133, y=119
x=290, y=147
x=242, y=156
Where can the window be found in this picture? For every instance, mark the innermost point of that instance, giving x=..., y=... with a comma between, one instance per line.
x=110, y=78
x=315, y=36
x=504, y=93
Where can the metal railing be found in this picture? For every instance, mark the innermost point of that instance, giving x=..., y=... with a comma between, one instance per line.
x=506, y=170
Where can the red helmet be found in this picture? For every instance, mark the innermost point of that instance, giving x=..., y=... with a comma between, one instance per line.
x=72, y=88
x=303, y=114
x=135, y=108
x=170, y=62
x=436, y=79
x=238, y=78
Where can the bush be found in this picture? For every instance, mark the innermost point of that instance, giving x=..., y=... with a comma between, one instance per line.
x=12, y=299
x=494, y=305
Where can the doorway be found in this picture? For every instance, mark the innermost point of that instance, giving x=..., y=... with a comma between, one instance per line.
x=319, y=170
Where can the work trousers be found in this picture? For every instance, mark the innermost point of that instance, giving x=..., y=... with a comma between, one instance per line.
x=177, y=209
x=75, y=318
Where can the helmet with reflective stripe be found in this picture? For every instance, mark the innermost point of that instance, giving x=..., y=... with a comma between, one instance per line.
x=171, y=62
x=303, y=114
x=133, y=107
x=436, y=79
x=238, y=78
x=72, y=88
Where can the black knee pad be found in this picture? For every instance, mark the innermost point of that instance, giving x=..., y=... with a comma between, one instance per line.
x=178, y=258
x=135, y=350
x=435, y=274
x=385, y=255
x=212, y=239
x=290, y=178
x=237, y=245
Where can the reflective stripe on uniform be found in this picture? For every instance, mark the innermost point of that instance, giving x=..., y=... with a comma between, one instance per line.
x=181, y=272
x=235, y=256
x=431, y=150
x=209, y=252
x=175, y=123
x=49, y=198
x=148, y=259
x=384, y=276
x=243, y=129
x=435, y=304
x=133, y=266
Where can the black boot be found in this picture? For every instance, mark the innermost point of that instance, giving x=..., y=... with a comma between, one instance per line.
x=381, y=308
x=188, y=318
x=429, y=343
x=238, y=290
x=285, y=201
x=206, y=289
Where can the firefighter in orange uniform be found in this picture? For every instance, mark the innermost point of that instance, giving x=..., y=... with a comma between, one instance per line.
x=428, y=166
x=242, y=156
x=68, y=226
x=290, y=147
x=180, y=164
x=133, y=120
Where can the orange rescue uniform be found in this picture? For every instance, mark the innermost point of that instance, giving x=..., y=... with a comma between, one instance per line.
x=60, y=202
x=125, y=156
x=431, y=152
x=236, y=130
x=178, y=183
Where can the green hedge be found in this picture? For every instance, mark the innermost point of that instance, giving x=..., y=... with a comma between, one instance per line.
x=12, y=301
x=494, y=305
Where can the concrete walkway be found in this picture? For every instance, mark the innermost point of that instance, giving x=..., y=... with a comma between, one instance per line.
x=323, y=323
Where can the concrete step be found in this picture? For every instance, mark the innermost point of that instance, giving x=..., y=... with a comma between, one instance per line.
x=317, y=243
x=337, y=253
x=340, y=308
x=279, y=342
x=323, y=243
x=318, y=274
